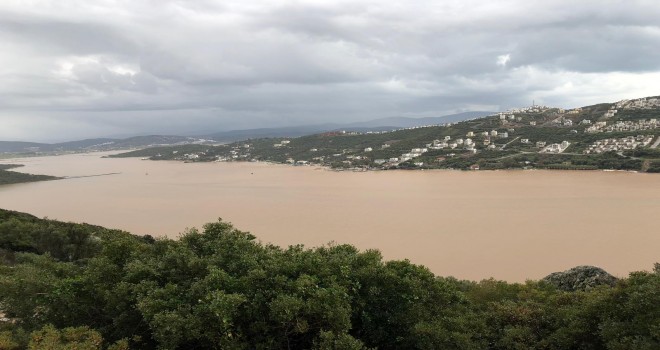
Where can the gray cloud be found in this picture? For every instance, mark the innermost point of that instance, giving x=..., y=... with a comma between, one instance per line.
x=92, y=68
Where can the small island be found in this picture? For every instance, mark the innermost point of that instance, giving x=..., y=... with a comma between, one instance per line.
x=8, y=177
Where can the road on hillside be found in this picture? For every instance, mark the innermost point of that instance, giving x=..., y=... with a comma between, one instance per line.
x=503, y=147
x=657, y=142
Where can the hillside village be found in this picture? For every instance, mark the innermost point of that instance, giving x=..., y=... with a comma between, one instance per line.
x=592, y=137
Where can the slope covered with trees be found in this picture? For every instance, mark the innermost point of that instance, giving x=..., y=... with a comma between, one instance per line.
x=78, y=286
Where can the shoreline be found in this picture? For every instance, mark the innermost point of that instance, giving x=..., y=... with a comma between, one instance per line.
x=317, y=166
x=338, y=170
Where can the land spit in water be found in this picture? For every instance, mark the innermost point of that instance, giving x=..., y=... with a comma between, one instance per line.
x=510, y=225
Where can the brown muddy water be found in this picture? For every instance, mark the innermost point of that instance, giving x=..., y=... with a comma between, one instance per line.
x=511, y=225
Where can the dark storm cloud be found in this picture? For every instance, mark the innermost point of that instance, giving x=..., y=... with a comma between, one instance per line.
x=86, y=68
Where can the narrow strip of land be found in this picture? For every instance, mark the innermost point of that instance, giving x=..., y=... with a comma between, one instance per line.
x=81, y=176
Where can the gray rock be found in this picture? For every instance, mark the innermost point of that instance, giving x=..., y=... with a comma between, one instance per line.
x=580, y=278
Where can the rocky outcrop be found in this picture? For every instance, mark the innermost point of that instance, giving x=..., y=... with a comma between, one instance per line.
x=580, y=278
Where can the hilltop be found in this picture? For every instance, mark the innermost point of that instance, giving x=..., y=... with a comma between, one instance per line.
x=618, y=136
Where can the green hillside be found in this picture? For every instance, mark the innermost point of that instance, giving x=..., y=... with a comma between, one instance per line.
x=588, y=138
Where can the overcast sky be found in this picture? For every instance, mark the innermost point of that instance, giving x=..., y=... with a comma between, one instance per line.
x=72, y=69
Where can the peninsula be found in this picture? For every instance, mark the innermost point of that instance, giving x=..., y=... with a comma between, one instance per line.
x=12, y=177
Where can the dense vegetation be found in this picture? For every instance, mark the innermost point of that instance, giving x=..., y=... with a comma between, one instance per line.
x=13, y=177
x=77, y=286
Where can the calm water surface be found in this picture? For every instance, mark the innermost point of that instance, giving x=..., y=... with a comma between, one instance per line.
x=510, y=225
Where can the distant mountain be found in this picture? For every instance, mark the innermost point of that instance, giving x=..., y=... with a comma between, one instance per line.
x=19, y=146
x=404, y=122
x=100, y=144
x=294, y=131
x=81, y=144
x=382, y=124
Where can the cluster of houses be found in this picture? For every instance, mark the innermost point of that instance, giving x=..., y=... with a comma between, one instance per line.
x=610, y=113
x=504, y=117
x=627, y=125
x=447, y=142
x=556, y=147
x=467, y=144
x=414, y=153
x=236, y=152
x=296, y=162
x=617, y=145
x=640, y=103
x=561, y=121
x=282, y=143
x=574, y=111
x=531, y=109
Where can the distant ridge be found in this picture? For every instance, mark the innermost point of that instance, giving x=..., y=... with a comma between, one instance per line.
x=104, y=144
x=381, y=124
x=98, y=144
x=405, y=122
